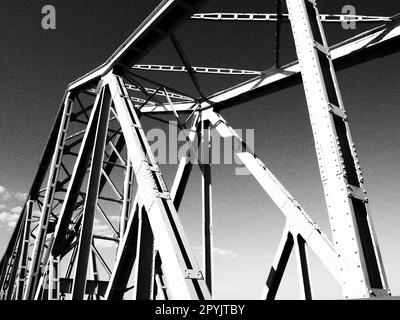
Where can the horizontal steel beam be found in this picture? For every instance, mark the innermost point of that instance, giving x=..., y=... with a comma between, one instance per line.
x=273, y=17
x=92, y=286
x=378, y=42
x=209, y=70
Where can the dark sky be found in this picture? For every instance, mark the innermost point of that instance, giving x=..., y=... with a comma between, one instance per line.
x=36, y=65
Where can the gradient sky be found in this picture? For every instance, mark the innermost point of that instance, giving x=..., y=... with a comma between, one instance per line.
x=37, y=65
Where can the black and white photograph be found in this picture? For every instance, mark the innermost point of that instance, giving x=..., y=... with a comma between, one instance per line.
x=223, y=152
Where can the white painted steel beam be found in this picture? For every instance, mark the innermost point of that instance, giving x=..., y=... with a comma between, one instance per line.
x=78, y=173
x=354, y=239
x=23, y=264
x=40, y=241
x=178, y=260
x=162, y=93
x=273, y=17
x=209, y=70
x=127, y=198
x=370, y=44
x=92, y=193
x=163, y=20
x=297, y=219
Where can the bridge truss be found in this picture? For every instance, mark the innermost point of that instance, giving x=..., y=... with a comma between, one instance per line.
x=97, y=161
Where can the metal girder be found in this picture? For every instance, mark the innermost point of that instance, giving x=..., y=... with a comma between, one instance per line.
x=23, y=264
x=10, y=269
x=372, y=44
x=107, y=219
x=151, y=239
x=34, y=270
x=355, y=242
x=81, y=165
x=127, y=198
x=62, y=234
x=95, y=271
x=278, y=32
x=185, y=165
x=273, y=17
x=145, y=260
x=303, y=268
x=42, y=286
x=285, y=247
x=278, y=265
x=178, y=260
x=92, y=287
x=54, y=278
x=162, y=21
x=127, y=73
x=297, y=219
x=128, y=248
x=160, y=93
x=192, y=73
x=92, y=193
x=101, y=259
x=33, y=194
x=207, y=202
x=126, y=256
x=160, y=289
x=209, y=70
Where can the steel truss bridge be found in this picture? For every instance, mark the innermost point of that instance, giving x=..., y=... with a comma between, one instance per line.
x=97, y=161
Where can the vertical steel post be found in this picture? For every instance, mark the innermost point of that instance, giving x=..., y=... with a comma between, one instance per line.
x=35, y=266
x=95, y=270
x=345, y=196
x=86, y=232
x=207, y=202
x=145, y=264
x=54, y=278
x=42, y=284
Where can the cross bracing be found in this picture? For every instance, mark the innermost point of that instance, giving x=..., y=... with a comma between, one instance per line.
x=105, y=165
